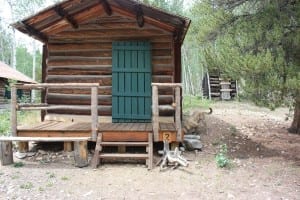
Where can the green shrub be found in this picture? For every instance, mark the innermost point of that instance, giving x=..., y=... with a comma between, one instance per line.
x=5, y=122
x=221, y=158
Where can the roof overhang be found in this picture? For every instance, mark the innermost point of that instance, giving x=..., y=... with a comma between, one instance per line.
x=69, y=13
x=9, y=73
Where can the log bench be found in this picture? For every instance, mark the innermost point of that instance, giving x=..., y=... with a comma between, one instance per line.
x=80, y=147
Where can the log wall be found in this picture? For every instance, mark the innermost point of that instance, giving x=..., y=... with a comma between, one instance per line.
x=2, y=91
x=88, y=59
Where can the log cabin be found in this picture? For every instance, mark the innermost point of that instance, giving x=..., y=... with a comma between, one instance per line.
x=132, y=50
x=8, y=73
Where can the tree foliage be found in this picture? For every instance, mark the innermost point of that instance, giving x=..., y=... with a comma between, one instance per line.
x=256, y=41
x=174, y=6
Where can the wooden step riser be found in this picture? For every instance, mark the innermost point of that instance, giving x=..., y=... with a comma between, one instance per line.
x=123, y=155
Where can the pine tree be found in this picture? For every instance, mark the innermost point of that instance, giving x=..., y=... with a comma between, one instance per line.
x=256, y=41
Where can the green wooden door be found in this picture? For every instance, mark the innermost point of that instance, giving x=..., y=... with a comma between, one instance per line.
x=131, y=82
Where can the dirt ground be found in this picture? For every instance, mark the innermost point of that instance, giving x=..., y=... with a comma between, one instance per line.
x=265, y=164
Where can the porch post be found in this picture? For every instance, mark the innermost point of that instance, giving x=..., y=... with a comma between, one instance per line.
x=94, y=112
x=155, y=112
x=13, y=116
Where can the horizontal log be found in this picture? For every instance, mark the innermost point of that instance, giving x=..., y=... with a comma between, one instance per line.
x=80, y=99
x=56, y=85
x=83, y=99
x=102, y=90
x=161, y=38
x=58, y=107
x=111, y=33
x=102, y=111
x=45, y=139
x=80, y=58
x=84, y=67
x=172, y=85
x=158, y=69
x=162, y=60
x=80, y=62
x=82, y=47
x=90, y=53
x=67, y=71
x=162, y=79
x=104, y=80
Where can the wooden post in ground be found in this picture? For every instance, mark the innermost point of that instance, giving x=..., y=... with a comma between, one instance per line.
x=80, y=153
x=150, y=151
x=68, y=146
x=121, y=149
x=13, y=116
x=178, y=114
x=155, y=112
x=98, y=149
x=6, y=153
x=94, y=112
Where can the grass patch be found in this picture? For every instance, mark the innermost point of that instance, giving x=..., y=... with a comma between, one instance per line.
x=15, y=177
x=65, y=178
x=18, y=164
x=5, y=122
x=190, y=102
x=24, y=117
x=49, y=184
x=27, y=186
x=51, y=175
x=41, y=189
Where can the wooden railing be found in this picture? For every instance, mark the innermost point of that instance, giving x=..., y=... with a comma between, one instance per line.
x=155, y=108
x=15, y=106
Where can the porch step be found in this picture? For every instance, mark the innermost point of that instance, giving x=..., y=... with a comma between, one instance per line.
x=124, y=155
x=124, y=143
x=98, y=155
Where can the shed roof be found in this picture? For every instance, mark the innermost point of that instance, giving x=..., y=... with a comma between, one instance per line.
x=70, y=13
x=10, y=73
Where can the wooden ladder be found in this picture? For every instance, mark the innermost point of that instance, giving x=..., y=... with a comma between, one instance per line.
x=148, y=156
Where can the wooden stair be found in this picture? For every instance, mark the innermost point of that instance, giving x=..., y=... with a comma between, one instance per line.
x=99, y=155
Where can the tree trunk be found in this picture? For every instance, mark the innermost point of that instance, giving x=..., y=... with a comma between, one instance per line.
x=295, y=127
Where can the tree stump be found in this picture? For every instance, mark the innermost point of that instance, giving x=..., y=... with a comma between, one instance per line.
x=6, y=153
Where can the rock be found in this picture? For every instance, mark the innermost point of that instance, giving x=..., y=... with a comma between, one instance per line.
x=31, y=154
x=42, y=152
x=20, y=155
x=197, y=137
x=192, y=144
x=39, y=158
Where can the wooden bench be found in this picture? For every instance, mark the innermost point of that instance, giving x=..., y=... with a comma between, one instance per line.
x=80, y=147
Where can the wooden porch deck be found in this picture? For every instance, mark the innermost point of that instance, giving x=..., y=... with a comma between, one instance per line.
x=111, y=131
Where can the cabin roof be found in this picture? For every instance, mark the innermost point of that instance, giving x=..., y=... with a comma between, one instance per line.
x=70, y=13
x=9, y=73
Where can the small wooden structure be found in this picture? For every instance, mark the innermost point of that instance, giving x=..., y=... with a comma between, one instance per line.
x=215, y=87
x=123, y=45
x=8, y=73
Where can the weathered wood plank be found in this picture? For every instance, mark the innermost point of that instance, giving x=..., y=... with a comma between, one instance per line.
x=123, y=155
x=45, y=139
x=155, y=112
x=6, y=153
x=56, y=85
x=13, y=115
x=81, y=154
x=178, y=113
x=94, y=112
